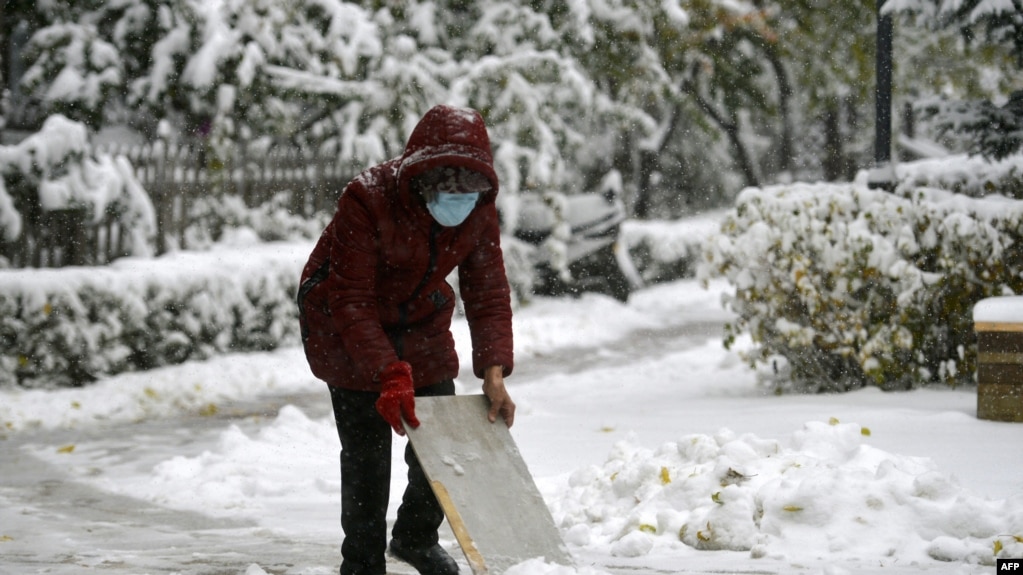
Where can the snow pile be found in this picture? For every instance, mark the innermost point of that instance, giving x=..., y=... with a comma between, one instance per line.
x=825, y=492
x=194, y=387
x=243, y=476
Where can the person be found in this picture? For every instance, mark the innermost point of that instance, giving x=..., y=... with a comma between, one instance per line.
x=376, y=312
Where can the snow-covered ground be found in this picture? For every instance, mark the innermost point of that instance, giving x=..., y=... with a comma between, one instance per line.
x=653, y=446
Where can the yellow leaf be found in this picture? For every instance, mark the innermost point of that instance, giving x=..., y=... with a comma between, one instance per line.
x=704, y=536
x=792, y=508
x=607, y=429
x=208, y=410
x=614, y=476
x=865, y=431
x=47, y=309
x=647, y=528
x=66, y=449
x=22, y=361
x=150, y=393
x=6, y=538
x=665, y=476
x=998, y=547
x=716, y=498
x=1018, y=538
x=76, y=405
x=833, y=421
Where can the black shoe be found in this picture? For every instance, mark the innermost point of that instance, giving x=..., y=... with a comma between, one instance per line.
x=428, y=561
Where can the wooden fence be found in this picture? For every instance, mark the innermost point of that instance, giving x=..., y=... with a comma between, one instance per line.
x=175, y=178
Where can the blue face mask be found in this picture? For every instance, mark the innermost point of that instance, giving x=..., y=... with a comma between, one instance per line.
x=451, y=209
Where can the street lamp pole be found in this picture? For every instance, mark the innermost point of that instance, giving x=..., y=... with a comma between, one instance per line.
x=883, y=174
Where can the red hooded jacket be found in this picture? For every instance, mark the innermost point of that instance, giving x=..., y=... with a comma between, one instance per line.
x=374, y=289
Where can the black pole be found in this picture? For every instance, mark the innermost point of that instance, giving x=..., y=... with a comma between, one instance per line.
x=883, y=136
x=883, y=100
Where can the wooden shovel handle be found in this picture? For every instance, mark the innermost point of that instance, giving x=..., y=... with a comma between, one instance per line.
x=479, y=567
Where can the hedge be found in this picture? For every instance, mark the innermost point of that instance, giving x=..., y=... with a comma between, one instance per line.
x=841, y=286
x=70, y=326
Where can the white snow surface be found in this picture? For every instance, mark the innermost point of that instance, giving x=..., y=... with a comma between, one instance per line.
x=1003, y=309
x=675, y=463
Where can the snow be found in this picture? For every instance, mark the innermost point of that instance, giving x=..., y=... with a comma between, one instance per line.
x=948, y=7
x=655, y=453
x=1003, y=309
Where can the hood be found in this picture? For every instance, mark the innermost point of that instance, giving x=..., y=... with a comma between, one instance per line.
x=448, y=136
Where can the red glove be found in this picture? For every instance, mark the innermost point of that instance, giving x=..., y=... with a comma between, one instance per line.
x=397, y=397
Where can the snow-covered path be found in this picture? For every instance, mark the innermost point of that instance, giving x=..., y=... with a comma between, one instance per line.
x=61, y=525
x=64, y=525
x=229, y=466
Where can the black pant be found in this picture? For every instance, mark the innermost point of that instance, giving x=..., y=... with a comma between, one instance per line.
x=365, y=484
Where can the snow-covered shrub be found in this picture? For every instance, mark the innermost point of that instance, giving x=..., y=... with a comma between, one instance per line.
x=663, y=250
x=212, y=217
x=843, y=286
x=56, y=169
x=67, y=334
x=270, y=316
x=68, y=326
x=968, y=175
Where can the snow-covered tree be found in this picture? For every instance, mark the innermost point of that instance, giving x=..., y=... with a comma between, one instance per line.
x=74, y=72
x=993, y=130
x=1000, y=21
x=688, y=99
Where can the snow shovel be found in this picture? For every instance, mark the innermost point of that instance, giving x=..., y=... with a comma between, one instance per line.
x=489, y=498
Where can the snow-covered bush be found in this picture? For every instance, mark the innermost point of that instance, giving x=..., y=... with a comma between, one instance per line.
x=664, y=250
x=968, y=175
x=843, y=286
x=215, y=217
x=69, y=326
x=56, y=169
